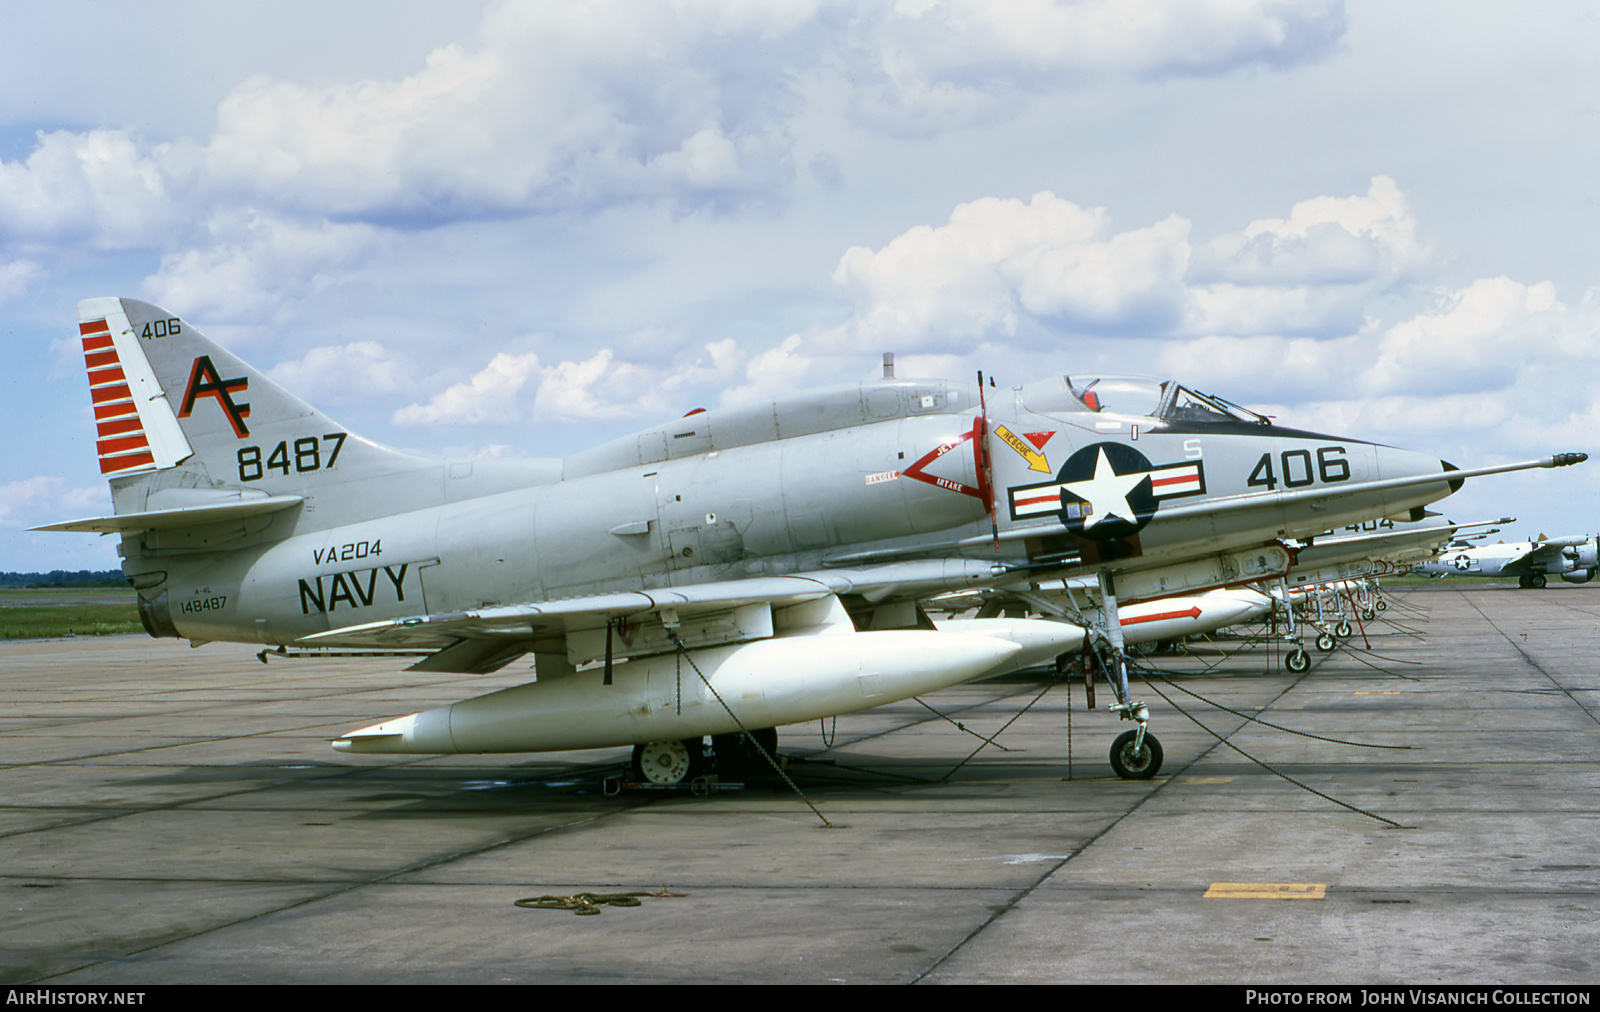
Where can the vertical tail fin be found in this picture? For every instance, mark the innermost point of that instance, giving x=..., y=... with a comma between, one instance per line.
x=164, y=395
x=189, y=435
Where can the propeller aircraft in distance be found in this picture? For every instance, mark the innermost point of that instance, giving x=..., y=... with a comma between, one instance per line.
x=722, y=574
x=1531, y=562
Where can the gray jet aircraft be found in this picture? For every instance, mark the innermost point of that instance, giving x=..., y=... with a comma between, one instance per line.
x=721, y=574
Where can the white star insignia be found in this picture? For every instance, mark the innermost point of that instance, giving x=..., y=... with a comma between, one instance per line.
x=1106, y=493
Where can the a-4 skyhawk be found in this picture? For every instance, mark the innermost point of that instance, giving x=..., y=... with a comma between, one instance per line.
x=730, y=571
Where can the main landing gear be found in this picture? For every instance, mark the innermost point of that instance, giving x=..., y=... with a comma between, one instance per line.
x=735, y=757
x=1534, y=582
x=668, y=763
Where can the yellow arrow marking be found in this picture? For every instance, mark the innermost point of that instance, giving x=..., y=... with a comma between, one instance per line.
x=1035, y=459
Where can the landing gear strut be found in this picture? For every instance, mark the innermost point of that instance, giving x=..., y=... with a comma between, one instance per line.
x=1135, y=755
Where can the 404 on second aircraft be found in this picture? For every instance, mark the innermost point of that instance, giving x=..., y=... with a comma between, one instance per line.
x=721, y=574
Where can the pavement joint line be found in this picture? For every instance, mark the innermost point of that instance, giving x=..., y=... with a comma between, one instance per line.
x=199, y=803
x=346, y=887
x=1528, y=659
x=1161, y=784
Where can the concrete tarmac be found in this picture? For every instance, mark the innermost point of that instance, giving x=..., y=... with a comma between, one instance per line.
x=175, y=815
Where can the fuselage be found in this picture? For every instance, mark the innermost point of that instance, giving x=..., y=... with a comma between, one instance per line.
x=855, y=475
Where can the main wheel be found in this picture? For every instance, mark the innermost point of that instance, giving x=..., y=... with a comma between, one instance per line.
x=1343, y=630
x=738, y=758
x=1368, y=614
x=1383, y=605
x=1131, y=765
x=1299, y=662
x=1536, y=581
x=1326, y=642
x=666, y=763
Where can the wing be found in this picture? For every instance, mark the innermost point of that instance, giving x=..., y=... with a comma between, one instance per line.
x=1538, y=560
x=579, y=630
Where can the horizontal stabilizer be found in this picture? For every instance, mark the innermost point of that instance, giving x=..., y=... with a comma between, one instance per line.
x=182, y=516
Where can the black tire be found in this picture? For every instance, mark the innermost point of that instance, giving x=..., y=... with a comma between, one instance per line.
x=738, y=758
x=1298, y=662
x=1383, y=605
x=1133, y=766
x=1536, y=581
x=1343, y=629
x=1326, y=642
x=668, y=763
x=1368, y=614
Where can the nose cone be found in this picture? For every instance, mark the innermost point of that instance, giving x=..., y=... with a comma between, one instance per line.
x=426, y=733
x=1455, y=486
x=1393, y=462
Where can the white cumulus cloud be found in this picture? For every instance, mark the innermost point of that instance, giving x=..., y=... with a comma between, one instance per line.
x=923, y=67
x=95, y=186
x=250, y=263
x=44, y=499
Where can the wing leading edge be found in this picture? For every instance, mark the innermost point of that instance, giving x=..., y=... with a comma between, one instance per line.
x=646, y=622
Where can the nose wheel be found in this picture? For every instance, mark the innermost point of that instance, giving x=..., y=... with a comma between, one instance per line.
x=1136, y=759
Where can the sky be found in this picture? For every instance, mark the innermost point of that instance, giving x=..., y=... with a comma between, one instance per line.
x=523, y=228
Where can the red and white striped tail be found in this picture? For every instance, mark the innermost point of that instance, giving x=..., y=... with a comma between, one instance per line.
x=135, y=426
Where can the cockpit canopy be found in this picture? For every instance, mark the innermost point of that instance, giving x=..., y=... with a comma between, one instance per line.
x=1135, y=397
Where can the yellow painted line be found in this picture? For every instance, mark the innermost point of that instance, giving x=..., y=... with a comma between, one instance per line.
x=1267, y=891
x=1210, y=780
